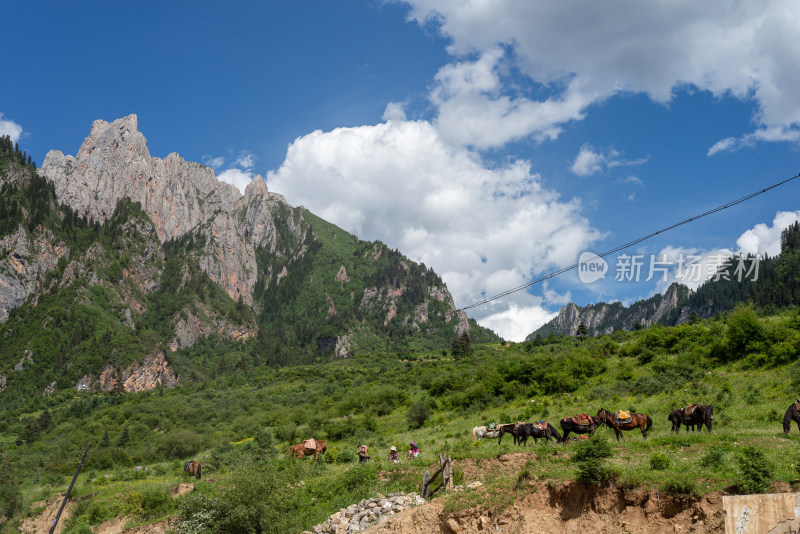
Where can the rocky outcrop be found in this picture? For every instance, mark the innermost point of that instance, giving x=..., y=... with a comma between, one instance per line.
x=25, y=260
x=193, y=326
x=179, y=197
x=367, y=513
x=342, y=348
x=152, y=373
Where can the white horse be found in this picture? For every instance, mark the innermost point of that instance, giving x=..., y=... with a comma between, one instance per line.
x=480, y=432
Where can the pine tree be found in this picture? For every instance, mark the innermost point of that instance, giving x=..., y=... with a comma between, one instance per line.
x=582, y=332
x=125, y=437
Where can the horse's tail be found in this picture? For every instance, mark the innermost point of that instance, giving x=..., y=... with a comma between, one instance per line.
x=474, y=434
x=199, y=470
x=649, y=423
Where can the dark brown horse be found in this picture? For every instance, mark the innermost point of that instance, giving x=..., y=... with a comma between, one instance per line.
x=568, y=425
x=792, y=414
x=510, y=428
x=699, y=416
x=193, y=469
x=533, y=430
x=638, y=420
x=301, y=449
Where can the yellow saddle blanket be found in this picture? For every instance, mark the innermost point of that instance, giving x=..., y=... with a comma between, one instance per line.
x=622, y=416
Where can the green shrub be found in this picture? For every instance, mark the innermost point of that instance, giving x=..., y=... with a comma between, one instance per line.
x=754, y=470
x=679, y=484
x=659, y=461
x=590, y=456
x=149, y=501
x=179, y=444
x=418, y=414
x=713, y=458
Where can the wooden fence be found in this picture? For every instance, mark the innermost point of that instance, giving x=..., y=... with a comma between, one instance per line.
x=446, y=470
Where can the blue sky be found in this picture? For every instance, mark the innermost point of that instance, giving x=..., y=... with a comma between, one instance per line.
x=494, y=141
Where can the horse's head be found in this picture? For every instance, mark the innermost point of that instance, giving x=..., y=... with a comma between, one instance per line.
x=602, y=415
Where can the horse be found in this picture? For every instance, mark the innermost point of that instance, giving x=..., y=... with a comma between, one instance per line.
x=510, y=428
x=701, y=415
x=568, y=426
x=638, y=420
x=792, y=414
x=676, y=418
x=532, y=430
x=193, y=469
x=480, y=432
x=300, y=450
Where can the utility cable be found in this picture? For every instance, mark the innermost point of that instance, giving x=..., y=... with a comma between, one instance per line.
x=627, y=245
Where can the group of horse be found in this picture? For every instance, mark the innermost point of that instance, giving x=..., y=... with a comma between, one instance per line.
x=692, y=416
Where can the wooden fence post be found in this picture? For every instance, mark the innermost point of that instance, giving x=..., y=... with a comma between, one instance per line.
x=426, y=481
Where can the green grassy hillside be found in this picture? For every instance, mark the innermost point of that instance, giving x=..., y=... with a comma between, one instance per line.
x=240, y=424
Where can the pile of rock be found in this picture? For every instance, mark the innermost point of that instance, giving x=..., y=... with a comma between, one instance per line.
x=367, y=513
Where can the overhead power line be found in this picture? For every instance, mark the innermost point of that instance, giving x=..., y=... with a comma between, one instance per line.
x=627, y=245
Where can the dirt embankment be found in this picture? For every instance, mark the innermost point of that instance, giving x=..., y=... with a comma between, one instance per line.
x=564, y=507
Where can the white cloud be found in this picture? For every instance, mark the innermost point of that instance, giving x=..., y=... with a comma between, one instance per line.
x=240, y=174
x=692, y=266
x=589, y=162
x=629, y=180
x=763, y=239
x=395, y=111
x=689, y=266
x=769, y=135
x=214, y=163
x=246, y=160
x=10, y=128
x=236, y=177
x=473, y=109
x=582, y=52
x=516, y=323
x=483, y=230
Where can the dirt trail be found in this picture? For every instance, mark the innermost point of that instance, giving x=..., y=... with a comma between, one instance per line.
x=44, y=520
x=116, y=526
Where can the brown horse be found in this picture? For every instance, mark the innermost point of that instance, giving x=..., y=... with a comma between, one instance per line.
x=193, y=469
x=638, y=420
x=300, y=450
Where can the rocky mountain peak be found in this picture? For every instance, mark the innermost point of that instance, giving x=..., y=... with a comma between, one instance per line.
x=256, y=187
x=179, y=196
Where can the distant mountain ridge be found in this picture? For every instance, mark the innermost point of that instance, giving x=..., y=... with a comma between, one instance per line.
x=604, y=318
x=777, y=286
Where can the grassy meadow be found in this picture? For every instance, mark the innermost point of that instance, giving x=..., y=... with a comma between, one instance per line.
x=240, y=424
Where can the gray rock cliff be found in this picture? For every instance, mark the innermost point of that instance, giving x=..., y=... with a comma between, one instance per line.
x=179, y=196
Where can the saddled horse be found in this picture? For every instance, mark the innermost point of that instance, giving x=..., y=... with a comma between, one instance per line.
x=792, y=414
x=637, y=420
x=568, y=425
x=699, y=416
x=532, y=430
x=301, y=449
x=480, y=432
x=193, y=469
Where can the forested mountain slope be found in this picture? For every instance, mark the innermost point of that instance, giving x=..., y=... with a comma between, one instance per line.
x=122, y=270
